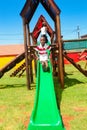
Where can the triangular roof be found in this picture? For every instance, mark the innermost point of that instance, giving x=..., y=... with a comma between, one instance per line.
x=39, y=25
x=31, y=5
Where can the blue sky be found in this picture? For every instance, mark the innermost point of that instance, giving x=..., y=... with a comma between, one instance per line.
x=73, y=14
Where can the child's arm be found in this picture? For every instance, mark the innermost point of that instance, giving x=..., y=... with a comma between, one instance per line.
x=49, y=48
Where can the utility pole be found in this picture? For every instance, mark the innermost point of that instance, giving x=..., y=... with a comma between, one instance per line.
x=78, y=32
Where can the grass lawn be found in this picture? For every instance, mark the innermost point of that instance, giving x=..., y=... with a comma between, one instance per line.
x=16, y=102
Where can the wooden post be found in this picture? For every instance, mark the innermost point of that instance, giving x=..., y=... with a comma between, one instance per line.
x=29, y=55
x=26, y=54
x=60, y=54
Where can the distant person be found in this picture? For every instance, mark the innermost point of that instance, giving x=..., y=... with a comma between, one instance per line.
x=44, y=31
x=43, y=51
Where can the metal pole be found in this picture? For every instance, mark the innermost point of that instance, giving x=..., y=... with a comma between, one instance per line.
x=78, y=32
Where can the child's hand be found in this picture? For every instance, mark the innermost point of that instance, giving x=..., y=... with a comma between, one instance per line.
x=37, y=58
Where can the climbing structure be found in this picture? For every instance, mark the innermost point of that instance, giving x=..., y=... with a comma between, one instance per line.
x=43, y=116
x=54, y=12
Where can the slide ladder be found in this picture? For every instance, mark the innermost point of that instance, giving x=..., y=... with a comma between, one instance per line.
x=45, y=115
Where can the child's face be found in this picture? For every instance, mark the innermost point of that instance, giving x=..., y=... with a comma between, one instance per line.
x=42, y=41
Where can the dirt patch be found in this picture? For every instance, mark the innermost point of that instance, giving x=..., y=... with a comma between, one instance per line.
x=26, y=122
x=1, y=121
x=80, y=109
x=2, y=107
x=66, y=121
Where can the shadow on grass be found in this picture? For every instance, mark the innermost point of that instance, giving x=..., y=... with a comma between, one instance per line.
x=12, y=86
x=33, y=86
x=16, y=86
x=58, y=91
x=69, y=82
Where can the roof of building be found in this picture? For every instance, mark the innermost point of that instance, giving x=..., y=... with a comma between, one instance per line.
x=84, y=36
x=10, y=50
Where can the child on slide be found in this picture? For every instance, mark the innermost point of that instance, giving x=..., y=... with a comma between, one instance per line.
x=43, y=50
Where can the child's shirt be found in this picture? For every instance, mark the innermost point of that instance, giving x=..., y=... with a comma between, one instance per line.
x=42, y=51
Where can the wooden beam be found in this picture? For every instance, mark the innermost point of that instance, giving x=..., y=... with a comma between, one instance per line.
x=54, y=6
x=84, y=72
x=60, y=54
x=29, y=54
x=26, y=53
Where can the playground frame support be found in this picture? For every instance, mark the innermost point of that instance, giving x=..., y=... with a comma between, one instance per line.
x=60, y=54
x=29, y=54
x=26, y=54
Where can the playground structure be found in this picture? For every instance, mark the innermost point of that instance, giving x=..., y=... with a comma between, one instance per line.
x=60, y=47
x=27, y=14
x=67, y=45
x=43, y=117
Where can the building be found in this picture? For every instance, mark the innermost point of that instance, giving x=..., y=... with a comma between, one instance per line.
x=9, y=52
x=84, y=36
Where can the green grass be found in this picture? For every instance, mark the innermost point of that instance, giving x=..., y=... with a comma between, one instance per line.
x=73, y=99
x=16, y=102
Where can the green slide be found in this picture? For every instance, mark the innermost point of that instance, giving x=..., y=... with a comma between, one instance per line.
x=45, y=115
